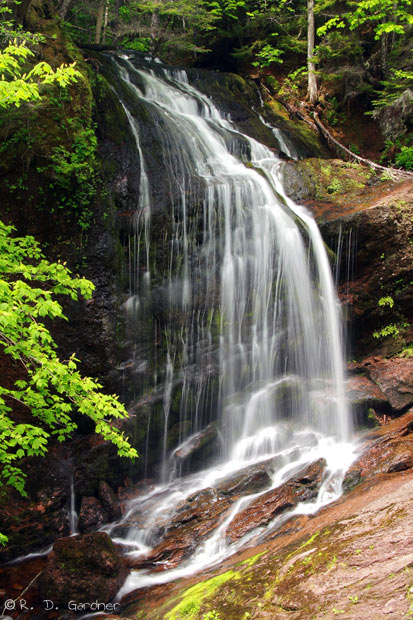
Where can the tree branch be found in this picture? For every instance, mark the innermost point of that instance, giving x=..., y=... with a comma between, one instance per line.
x=394, y=172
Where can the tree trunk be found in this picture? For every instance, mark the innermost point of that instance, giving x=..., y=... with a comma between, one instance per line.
x=383, y=54
x=63, y=8
x=99, y=21
x=105, y=22
x=154, y=32
x=312, y=82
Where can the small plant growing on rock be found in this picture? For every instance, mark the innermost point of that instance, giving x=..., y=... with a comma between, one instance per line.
x=212, y=615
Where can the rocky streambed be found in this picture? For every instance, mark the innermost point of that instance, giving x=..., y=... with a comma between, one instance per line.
x=352, y=558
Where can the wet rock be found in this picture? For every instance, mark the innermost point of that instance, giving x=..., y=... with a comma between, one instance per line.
x=96, y=462
x=248, y=480
x=351, y=479
x=109, y=501
x=92, y=514
x=82, y=568
x=33, y=523
x=387, y=450
x=361, y=391
x=196, y=449
x=395, y=379
x=193, y=521
x=266, y=507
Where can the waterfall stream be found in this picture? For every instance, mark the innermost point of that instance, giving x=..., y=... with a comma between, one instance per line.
x=252, y=327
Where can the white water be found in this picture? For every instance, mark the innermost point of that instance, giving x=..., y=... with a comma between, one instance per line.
x=250, y=276
x=73, y=516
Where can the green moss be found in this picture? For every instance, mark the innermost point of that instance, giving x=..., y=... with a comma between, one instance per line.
x=192, y=598
x=251, y=561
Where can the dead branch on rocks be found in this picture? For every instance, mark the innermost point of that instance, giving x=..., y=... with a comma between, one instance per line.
x=394, y=173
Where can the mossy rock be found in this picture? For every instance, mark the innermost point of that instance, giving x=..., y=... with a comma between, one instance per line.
x=326, y=180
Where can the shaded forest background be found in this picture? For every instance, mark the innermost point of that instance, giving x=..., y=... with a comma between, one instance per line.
x=362, y=54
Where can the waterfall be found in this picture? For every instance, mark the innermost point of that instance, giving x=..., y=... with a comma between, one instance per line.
x=73, y=516
x=249, y=320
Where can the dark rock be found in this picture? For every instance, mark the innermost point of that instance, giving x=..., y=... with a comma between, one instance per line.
x=82, y=568
x=351, y=479
x=248, y=480
x=109, y=501
x=33, y=523
x=196, y=442
x=96, y=463
x=196, y=451
x=92, y=514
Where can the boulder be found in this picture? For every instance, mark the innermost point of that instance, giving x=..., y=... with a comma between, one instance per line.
x=395, y=379
x=82, y=568
x=109, y=501
x=361, y=391
x=92, y=514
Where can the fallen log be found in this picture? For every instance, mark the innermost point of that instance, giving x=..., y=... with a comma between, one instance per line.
x=395, y=173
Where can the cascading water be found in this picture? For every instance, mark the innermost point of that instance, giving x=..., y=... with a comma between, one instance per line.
x=250, y=304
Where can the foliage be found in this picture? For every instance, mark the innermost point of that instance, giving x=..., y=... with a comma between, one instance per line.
x=72, y=169
x=386, y=301
x=399, y=80
x=47, y=126
x=267, y=56
x=385, y=16
x=388, y=330
x=49, y=389
x=18, y=86
x=404, y=159
x=9, y=31
x=407, y=352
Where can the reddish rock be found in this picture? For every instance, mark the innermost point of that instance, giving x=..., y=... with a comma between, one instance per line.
x=261, y=511
x=194, y=520
x=92, y=514
x=82, y=568
x=387, y=450
x=361, y=390
x=109, y=501
x=395, y=378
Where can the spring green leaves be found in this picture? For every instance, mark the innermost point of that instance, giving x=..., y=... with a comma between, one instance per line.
x=48, y=391
x=18, y=85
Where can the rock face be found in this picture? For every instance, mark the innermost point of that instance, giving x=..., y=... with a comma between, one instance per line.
x=395, y=379
x=381, y=386
x=386, y=450
x=367, y=225
x=34, y=523
x=361, y=390
x=82, y=568
x=198, y=515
